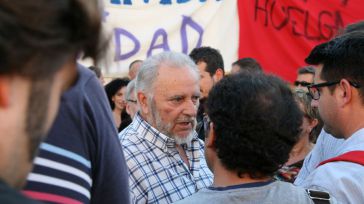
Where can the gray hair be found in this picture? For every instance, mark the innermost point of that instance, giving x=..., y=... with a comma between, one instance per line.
x=149, y=70
x=306, y=70
x=130, y=90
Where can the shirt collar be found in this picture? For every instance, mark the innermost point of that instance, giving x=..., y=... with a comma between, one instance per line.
x=155, y=137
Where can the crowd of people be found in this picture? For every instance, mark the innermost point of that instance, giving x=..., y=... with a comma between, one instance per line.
x=179, y=128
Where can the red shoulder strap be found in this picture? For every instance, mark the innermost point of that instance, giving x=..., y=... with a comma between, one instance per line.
x=353, y=156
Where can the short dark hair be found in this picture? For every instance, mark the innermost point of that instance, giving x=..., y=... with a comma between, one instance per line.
x=248, y=65
x=357, y=26
x=114, y=86
x=37, y=38
x=306, y=70
x=210, y=56
x=256, y=123
x=96, y=70
x=342, y=57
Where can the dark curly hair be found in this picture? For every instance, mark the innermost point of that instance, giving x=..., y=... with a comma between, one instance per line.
x=256, y=123
x=114, y=86
x=210, y=56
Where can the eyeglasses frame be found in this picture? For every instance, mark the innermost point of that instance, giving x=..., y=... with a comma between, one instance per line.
x=320, y=85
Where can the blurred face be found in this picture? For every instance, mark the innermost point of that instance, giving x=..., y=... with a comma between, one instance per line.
x=173, y=108
x=206, y=80
x=118, y=99
x=37, y=105
x=327, y=106
x=303, y=80
x=131, y=105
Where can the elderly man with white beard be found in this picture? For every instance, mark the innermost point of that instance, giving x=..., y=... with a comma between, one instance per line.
x=163, y=153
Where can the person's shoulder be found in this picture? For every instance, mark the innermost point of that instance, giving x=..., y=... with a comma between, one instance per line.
x=11, y=196
x=131, y=141
x=334, y=175
x=289, y=193
x=198, y=197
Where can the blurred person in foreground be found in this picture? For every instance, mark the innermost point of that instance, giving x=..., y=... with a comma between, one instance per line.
x=81, y=160
x=244, y=147
x=39, y=44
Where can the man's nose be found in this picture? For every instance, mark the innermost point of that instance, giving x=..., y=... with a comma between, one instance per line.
x=190, y=108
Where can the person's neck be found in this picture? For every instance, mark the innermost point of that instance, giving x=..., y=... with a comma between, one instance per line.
x=300, y=150
x=117, y=111
x=224, y=177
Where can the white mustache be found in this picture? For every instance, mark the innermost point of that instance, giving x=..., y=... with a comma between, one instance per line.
x=186, y=120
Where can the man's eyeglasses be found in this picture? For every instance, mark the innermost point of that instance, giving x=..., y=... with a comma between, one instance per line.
x=302, y=83
x=131, y=101
x=314, y=91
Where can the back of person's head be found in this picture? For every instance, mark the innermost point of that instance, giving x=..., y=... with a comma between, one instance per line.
x=256, y=123
x=148, y=72
x=210, y=56
x=247, y=65
x=113, y=87
x=40, y=41
x=37, y=37
x=342, y=57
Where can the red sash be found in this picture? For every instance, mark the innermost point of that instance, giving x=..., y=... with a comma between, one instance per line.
x=353, y=156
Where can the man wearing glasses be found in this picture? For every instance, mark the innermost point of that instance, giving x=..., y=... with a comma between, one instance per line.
x=339, y=95
x=305, y=77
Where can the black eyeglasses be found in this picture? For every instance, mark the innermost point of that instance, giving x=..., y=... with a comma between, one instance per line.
x=314, y=91
x=132, y=101
x=302, y=83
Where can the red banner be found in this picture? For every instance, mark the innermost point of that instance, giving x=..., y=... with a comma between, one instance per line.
x=281, y=33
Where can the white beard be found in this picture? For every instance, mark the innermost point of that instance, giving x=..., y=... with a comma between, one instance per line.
x=166, y=128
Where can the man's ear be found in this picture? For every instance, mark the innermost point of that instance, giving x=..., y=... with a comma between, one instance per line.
x=345, y=94
x=4, y=91
x=210, y=138
x=143, y=102
x=219, y=74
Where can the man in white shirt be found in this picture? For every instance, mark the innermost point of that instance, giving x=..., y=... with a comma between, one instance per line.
x=339, y=95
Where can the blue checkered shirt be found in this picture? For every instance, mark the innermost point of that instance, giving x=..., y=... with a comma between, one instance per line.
x=157, y=174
